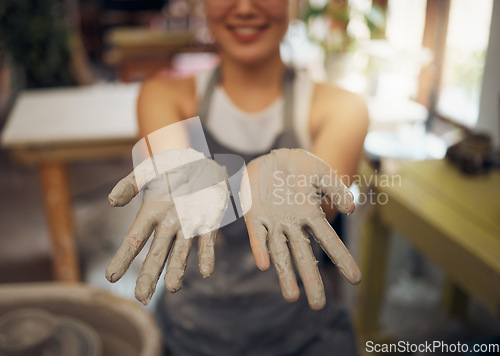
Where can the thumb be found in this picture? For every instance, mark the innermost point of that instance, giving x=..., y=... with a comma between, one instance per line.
x=332, y=186
x=124, y=191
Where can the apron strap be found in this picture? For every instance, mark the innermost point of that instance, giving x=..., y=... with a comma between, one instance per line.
x=288, y=93
x=204, y=107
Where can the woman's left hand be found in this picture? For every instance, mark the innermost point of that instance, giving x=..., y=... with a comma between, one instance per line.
x=287, y=187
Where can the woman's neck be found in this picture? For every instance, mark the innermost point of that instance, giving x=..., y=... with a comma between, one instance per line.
x=253, y=87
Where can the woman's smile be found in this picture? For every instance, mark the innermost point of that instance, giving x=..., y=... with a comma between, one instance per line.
x=247, y=33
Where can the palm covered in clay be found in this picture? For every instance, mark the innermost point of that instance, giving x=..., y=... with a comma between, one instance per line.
x=184, y=202
x=286, y=188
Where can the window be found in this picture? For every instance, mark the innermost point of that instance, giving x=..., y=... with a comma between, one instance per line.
x=466, y=44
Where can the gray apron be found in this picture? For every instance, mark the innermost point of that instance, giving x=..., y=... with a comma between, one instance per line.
x=240, y=309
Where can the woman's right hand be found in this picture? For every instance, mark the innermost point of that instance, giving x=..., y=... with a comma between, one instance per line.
x=178, y=204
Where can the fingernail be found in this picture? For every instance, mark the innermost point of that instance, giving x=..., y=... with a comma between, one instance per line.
x=264, y=262
x=318, y=303
x=173, y=286
x=112, y=201
x=144, y=299
x=351, y=209
x=110, y=277
x=206, y=271
x=292, y=291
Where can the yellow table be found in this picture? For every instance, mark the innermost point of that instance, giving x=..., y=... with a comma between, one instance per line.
x=451, y=218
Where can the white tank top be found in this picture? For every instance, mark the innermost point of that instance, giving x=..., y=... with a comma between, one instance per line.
x=250, y=133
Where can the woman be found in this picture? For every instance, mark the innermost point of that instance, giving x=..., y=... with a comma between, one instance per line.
x=250, y=105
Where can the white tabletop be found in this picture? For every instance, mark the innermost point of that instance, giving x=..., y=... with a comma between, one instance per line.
x=97, y=113
x=399, y=111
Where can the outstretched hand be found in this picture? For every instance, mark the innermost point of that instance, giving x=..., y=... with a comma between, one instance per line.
x=287, y=187
x=187, y=200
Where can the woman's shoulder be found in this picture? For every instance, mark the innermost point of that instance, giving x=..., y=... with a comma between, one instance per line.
x=329, y=94
x=178, y=93
x=333, y=103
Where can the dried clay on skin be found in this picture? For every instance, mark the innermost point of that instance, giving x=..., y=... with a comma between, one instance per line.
x=187, y=198
x=286, y=190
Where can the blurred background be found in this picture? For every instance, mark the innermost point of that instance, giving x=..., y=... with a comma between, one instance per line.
x=69, y=76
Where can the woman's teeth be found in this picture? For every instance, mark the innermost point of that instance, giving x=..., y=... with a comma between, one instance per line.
x=246, y=30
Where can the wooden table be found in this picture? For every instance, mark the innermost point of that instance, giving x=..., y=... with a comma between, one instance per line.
x=52, y=128
x=139, y=53
x=451, y=218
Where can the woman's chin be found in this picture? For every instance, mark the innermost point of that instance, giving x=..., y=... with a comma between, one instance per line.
x=248, y=57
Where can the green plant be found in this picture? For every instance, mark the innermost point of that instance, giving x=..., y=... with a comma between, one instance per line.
x=468, y=69
x=33, y=32
x=328, y=24
x=334, y=17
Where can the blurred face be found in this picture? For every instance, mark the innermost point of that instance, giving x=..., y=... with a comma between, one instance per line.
x=248, y=31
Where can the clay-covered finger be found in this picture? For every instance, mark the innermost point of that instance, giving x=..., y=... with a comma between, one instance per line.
x=153, y=264
x=258, y=238
x=133, y=243
x=206, y=253
x=176, y=263
x=329, y=182
x=257, y=232
x=332, y=186
x=307, y=266
x=124, y=191
x=282, y=262
x=329, y=241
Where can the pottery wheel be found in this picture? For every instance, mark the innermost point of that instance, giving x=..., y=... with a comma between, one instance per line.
x=74, y=338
